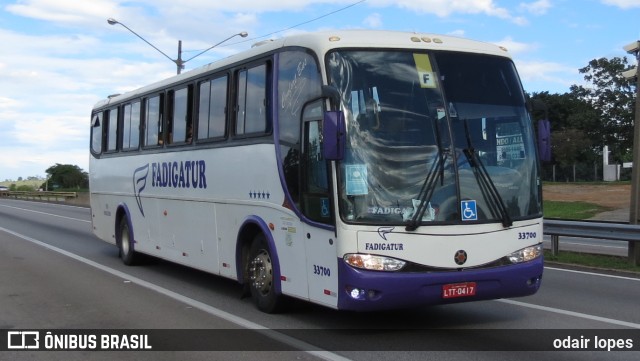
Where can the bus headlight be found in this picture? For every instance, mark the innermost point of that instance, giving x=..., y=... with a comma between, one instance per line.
x=526, y=254
x=373, y=263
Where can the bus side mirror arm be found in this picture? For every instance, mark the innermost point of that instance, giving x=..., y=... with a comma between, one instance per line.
x=332, y=93
x=333, y=127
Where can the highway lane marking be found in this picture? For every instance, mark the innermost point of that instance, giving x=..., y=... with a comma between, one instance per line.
x=288, y=340
x=45, y=213
x=571, y=313
x=578, y=314
x=12, y=200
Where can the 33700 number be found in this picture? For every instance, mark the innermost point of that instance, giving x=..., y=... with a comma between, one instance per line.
x=321, y=271
x=527, y=235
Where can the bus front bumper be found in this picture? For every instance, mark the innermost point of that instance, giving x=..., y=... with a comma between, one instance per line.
x=362, y=290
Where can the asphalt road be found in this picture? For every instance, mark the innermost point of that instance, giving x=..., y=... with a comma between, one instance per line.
x=54, y=274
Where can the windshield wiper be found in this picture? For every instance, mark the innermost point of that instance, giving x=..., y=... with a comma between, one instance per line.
x=428, y=186
x=426, y=191
x=485, y=182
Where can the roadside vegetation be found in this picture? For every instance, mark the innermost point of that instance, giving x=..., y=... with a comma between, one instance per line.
x=596, y=261
x=23, y=185
x=572, y=210
x=60, y=177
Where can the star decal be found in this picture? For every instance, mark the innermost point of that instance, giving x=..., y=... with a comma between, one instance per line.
x=259, y=194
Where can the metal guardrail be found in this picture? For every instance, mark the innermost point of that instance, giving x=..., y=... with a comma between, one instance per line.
x=599, y=230
x=42, y=196
x=551, y=227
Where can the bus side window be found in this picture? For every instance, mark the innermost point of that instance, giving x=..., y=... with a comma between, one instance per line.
x=212, y=110
x=112, y=130
x=251, y=101
x=131, y=126
x=180, y=122
x=96, y=133
x=153, y=121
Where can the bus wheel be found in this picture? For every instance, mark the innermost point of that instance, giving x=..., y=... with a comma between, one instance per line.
x=261, y=277
x=125, y=243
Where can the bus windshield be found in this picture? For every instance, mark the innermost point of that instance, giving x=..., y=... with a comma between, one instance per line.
x=434, y=138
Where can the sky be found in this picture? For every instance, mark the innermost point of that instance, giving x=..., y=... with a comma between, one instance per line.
x=60, y=57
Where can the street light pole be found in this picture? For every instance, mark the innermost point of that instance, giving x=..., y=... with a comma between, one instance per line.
x=179, y=62
x=113, y=21
x=242, y=34
x=634, y=250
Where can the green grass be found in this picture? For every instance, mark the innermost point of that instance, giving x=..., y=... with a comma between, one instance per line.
x=33, y=185
x=592, y=260
x=572, y=210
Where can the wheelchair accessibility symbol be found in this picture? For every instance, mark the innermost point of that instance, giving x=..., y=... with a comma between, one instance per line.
x=324, y=207
x=469, y=210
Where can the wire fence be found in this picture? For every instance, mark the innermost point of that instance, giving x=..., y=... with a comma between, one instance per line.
x=585, y=172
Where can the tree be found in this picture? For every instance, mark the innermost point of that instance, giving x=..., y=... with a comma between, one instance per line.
x=571, y=145
x=613, y=98
x=573, y=121
x=67, y=176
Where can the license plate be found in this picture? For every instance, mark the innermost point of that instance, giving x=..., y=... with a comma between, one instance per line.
x=454, y=290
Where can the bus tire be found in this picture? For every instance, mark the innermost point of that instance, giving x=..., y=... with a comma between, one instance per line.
x=262, y=276
x=125, y=242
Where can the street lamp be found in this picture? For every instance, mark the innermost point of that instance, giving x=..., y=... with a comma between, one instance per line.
x=179, y=62
x=634, y=250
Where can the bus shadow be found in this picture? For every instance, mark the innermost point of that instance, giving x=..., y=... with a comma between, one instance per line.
x=228, y=295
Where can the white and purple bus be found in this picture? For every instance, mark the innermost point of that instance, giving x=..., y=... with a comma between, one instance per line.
x=359, y=170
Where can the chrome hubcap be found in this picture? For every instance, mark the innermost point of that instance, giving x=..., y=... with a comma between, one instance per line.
x=261, y=272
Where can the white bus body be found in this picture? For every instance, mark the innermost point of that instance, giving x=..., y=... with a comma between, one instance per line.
x=425, y=191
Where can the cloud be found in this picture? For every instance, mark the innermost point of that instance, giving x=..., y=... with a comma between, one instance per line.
x=515, y=47
x=539, y=7
x=66, y=11
x=62, y=56
x=32, y=142
x=251, y=6
x=52, y=79
x=27, y=161
x=545, y=75
x=7, y=103
x=50, y=83
x=373, y=21
x=38, y=131
x=446, y=8
x=623, y=4
x=538, y=75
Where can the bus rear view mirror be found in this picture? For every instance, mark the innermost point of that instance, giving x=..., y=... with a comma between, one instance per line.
x=333, y=135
